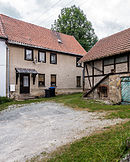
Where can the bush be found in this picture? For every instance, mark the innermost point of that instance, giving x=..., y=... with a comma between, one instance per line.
x=4, y=100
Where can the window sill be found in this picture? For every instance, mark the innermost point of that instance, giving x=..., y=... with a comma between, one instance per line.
x=28, y=60
x=53, y=63
x=79, y=66
x=41, y=61
x=41, y=86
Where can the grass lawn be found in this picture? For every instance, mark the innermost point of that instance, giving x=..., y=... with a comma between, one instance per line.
x=76, y=101
x=107, y=146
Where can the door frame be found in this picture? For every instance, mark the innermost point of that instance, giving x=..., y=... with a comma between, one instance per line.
x=24, y=90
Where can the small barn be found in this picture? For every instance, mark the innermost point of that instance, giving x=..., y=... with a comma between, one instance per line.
x=106, y=73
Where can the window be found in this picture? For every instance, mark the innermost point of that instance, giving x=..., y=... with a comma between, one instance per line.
x=109, y=61
x=41, y=80
x=41, y=56
x=53, y=58
x=121, y=59
x=25, y=81
x=103, y=91
x=53, y=80
x=29, y=54
x=78, y=64
x=78, y=81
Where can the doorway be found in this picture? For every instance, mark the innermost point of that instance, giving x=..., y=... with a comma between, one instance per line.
x=125, y=89
x=24, y=83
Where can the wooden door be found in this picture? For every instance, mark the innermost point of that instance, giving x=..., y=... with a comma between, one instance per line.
x=25, y=83
x=125, y=89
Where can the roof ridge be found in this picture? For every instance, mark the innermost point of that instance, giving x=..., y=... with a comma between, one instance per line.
x=31, y=34
x=2, y=27
x=115, y=34
x=117, y=43
x=33, y=24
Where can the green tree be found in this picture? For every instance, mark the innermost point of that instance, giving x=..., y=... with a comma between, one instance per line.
x=73, y=21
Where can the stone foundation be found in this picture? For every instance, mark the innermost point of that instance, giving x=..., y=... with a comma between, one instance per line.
x=113, y=86
x=42, y=93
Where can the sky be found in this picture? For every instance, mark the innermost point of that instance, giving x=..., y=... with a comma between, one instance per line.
x=107, y=16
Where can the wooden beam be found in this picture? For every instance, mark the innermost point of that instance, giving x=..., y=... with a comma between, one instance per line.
x=128, y=62
x=114, y=64
x=95, y=68
x=103, y=67
x=88, y=76
x=84, y=76
x=106, y=74
x=93, y=74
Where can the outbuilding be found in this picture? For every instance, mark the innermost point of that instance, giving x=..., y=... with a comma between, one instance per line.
x=106, y=72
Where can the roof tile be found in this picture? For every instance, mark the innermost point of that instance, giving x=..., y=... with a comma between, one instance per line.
x=30, y=34
x=109, y=46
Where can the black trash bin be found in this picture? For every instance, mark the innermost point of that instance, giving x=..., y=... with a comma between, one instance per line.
x=52, y=91
x=47, y=93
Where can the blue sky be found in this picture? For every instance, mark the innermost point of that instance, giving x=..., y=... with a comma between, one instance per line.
x=107, y=16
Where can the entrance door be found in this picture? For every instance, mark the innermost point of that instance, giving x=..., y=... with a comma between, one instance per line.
x=125, y=89
x=25, y=83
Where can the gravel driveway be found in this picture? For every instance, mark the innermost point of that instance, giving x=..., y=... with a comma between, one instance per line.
x=31, y=129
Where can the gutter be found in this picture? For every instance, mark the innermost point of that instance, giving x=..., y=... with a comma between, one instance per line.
x=2, y=37
x=48, y=49
x=8, y=80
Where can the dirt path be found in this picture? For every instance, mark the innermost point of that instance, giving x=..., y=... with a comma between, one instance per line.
x=42, y=127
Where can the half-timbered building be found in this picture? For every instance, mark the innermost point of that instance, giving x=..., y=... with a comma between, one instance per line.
x=107, y=69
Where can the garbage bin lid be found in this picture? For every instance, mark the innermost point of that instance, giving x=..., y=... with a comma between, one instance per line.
x=52, y=87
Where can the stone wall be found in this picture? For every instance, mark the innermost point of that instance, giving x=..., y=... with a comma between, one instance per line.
x=115, y=88
x=96, y=94
x=113, y=84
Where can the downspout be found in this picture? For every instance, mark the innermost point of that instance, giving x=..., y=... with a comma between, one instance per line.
x=8, y=82
x=83, y=76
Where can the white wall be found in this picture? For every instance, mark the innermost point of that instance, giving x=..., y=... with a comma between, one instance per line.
x=2, y=68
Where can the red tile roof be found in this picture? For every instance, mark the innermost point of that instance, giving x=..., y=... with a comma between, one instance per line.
x=2, y=33
x=30, y=34
x=109, y=46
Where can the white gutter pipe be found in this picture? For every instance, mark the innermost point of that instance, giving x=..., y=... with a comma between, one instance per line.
x=8, y=80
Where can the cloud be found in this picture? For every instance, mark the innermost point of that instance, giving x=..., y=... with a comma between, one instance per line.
x=107, y=17
x=106, y=28
x=7, y=9
x=112, y=26
x=43, y=4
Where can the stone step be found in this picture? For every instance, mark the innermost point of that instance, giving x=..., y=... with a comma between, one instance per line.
x=25, y=97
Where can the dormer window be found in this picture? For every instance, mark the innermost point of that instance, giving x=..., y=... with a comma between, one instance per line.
x=29, y=54
x=41, y=56
x=59, y=41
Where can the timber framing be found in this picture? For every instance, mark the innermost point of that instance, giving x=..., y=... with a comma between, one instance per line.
x=102, y=71
x=92, y=65
x=106, y=74
x=88, y=75
x=93, y=74
x=128, y=63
